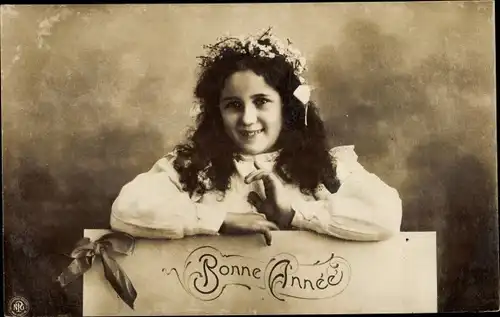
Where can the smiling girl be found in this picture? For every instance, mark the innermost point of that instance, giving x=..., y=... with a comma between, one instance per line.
x=257, y=161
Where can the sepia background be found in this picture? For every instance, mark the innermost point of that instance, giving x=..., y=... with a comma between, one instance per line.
x=94, y=95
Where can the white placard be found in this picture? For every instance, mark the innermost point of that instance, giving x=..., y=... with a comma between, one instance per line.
x=301, y=272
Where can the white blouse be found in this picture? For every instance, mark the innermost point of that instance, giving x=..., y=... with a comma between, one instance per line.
x=153, y=205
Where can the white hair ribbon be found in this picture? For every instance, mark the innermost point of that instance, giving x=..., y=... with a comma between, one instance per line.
x=303, y=93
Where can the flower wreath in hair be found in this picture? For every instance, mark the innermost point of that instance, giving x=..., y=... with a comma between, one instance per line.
x=265, y=45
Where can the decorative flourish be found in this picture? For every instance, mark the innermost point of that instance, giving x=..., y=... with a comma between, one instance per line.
x=84, y=254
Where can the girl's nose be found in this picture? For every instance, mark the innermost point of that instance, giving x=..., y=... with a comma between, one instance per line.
x=249, y=114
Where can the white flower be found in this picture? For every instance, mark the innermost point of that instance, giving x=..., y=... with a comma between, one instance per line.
x=233, y=44
x=212, y=54
x=294, y=51
x=272, y=40
x=254, y=46
x=279, y=47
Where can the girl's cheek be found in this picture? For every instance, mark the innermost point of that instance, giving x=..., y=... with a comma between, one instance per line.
x=233, y=122
x=228, y=116
x=276, y=114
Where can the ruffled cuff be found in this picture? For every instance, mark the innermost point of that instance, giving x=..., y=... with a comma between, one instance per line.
x=307, y=213
x=208, y=220
x=319, y=216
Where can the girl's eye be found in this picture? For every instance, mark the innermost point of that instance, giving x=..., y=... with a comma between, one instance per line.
x=261, y=101
x=233, y=105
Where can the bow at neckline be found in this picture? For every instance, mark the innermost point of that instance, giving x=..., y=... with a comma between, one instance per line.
x=245, y=163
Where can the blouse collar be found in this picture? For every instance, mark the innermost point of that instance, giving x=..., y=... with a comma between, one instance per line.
x=262, y=157
x=245, y=163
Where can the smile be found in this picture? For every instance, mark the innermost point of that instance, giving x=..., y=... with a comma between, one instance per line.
x=251, y=133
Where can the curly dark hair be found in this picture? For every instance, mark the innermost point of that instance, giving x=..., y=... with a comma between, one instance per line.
x=208, y=153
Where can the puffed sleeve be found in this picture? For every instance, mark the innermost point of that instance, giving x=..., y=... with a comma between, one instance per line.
x=363, y=209
x=153, y=205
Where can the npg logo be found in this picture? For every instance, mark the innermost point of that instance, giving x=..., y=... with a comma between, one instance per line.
x=18, y=306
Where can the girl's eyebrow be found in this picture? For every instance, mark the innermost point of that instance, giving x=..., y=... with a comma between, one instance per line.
x=260, y=95
x=230, y=98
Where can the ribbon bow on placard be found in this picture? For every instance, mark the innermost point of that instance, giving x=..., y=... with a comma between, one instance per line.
x=84, y=254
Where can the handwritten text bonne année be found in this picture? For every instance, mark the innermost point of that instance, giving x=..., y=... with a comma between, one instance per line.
x=207, y=272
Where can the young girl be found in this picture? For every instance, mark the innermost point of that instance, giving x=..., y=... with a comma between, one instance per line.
x=257, y=161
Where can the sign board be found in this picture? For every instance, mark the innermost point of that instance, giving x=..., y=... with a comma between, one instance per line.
x=301, y=272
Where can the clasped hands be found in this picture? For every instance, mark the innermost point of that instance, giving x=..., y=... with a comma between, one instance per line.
x=275, y=211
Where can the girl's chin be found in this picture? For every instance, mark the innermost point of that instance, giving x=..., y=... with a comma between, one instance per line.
x=254, y=147
x=254, y=150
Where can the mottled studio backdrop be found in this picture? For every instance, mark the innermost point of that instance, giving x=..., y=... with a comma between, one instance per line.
x=93, y=95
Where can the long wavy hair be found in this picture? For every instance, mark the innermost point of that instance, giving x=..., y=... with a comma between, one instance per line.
x=205, y=161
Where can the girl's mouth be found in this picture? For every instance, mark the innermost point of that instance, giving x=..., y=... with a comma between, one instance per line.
x=250, y=133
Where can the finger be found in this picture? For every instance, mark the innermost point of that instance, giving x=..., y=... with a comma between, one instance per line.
x=268, y=177
x=267, y=235
x=260, y=215
x=272, y=177
x=258, y=165
x=256, y=175
x=269, y=180
x=258, y=203
x=266, y=210
x=263, y=224
x=264, y=227
x=255, y=200
x=251, y=174
x=271, y=225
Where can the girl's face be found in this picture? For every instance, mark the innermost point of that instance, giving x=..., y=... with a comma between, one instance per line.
x=251, y=111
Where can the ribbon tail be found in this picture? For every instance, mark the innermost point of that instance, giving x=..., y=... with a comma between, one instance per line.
x=305, y=115
x=118, y=279
x=74, y=270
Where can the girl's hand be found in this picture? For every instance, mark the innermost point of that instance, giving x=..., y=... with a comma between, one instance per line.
x=236, y=223
x=276, y=206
